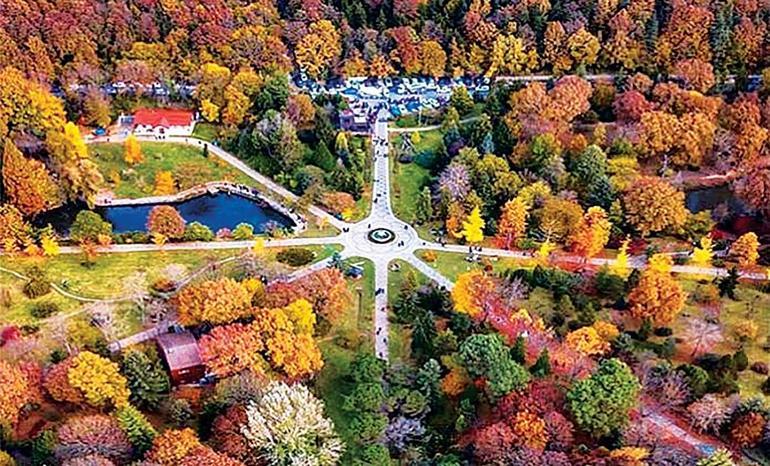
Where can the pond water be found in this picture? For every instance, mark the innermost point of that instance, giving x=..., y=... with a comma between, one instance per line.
x=221, y=210
x=701, y=199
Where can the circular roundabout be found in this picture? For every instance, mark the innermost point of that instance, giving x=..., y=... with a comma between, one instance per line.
x=381, y=236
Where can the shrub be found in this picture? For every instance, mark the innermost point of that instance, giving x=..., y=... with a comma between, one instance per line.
x=92, y=435
x=89, y=226
x=37, y=285
x=295, y=257
x=44, y=309
x=197, y=231
x=243, y=232
x=165, y=220
x=6, y=298
x=429, y=256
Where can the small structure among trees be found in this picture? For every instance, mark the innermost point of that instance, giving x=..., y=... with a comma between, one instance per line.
x=181, y=357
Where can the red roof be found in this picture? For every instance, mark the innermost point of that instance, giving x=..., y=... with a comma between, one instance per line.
x=162, y=117
x=180, y=350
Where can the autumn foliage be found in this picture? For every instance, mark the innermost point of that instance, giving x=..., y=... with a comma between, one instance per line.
x=215, y=301
x=326, y=290
x=15, y=392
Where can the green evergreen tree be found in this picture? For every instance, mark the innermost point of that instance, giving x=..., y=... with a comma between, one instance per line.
x=519, y=350
x=600, y=404
x=147, y=380
x=542, y=366
x=424, y=206
x=42, y=448
x=137, y=428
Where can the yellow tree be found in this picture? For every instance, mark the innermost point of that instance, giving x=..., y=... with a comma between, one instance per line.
x=473, y=227
x=49, y=245
x=620, y=266
x=470, y=291
x=701, y=257
x=745, y=249
x=28, y=184
x=658, y=296
x=209, y=110
x=583, y=47
x=511, y=57
x=99, y=380
x=164, y=183
x=132, y=151
x=433, y=58
x=318, y=49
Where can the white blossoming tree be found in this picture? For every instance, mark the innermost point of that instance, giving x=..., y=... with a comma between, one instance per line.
x=287, y=427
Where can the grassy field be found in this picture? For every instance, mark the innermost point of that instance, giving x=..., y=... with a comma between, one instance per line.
x=186, y=163
x=105, y=279
x=406, y=182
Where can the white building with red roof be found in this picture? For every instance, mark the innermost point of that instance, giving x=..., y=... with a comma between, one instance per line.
x=163, y=122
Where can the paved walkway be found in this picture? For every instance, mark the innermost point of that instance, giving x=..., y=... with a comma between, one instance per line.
x=354, y=236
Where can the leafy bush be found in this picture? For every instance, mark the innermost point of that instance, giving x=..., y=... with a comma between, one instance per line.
x=295, y=256
x=197, y=231
x=132, y=237
x=243, y=232
x=44, y=309
x=37, y=285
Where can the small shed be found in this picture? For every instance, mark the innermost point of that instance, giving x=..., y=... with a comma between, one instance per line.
x=181, y=357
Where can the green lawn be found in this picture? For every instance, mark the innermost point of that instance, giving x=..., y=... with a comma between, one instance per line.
x=206, y=131
x=332, y=384
x=406, y=182
x=186, y=164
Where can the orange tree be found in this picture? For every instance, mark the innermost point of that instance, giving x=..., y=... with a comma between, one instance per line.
x=14, y=393
x=165, y=220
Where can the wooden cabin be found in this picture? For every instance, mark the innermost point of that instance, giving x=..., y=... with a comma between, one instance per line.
x=182, y=358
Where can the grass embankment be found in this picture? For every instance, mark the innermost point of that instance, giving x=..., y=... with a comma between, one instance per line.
x=206, y=131
x=186, y=163
x=400, y=337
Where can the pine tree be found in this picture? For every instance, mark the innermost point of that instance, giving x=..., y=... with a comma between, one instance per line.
x=519, y=350
x=136, y=427
x=424, y=206
x=542, y=366
x=147, y=380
